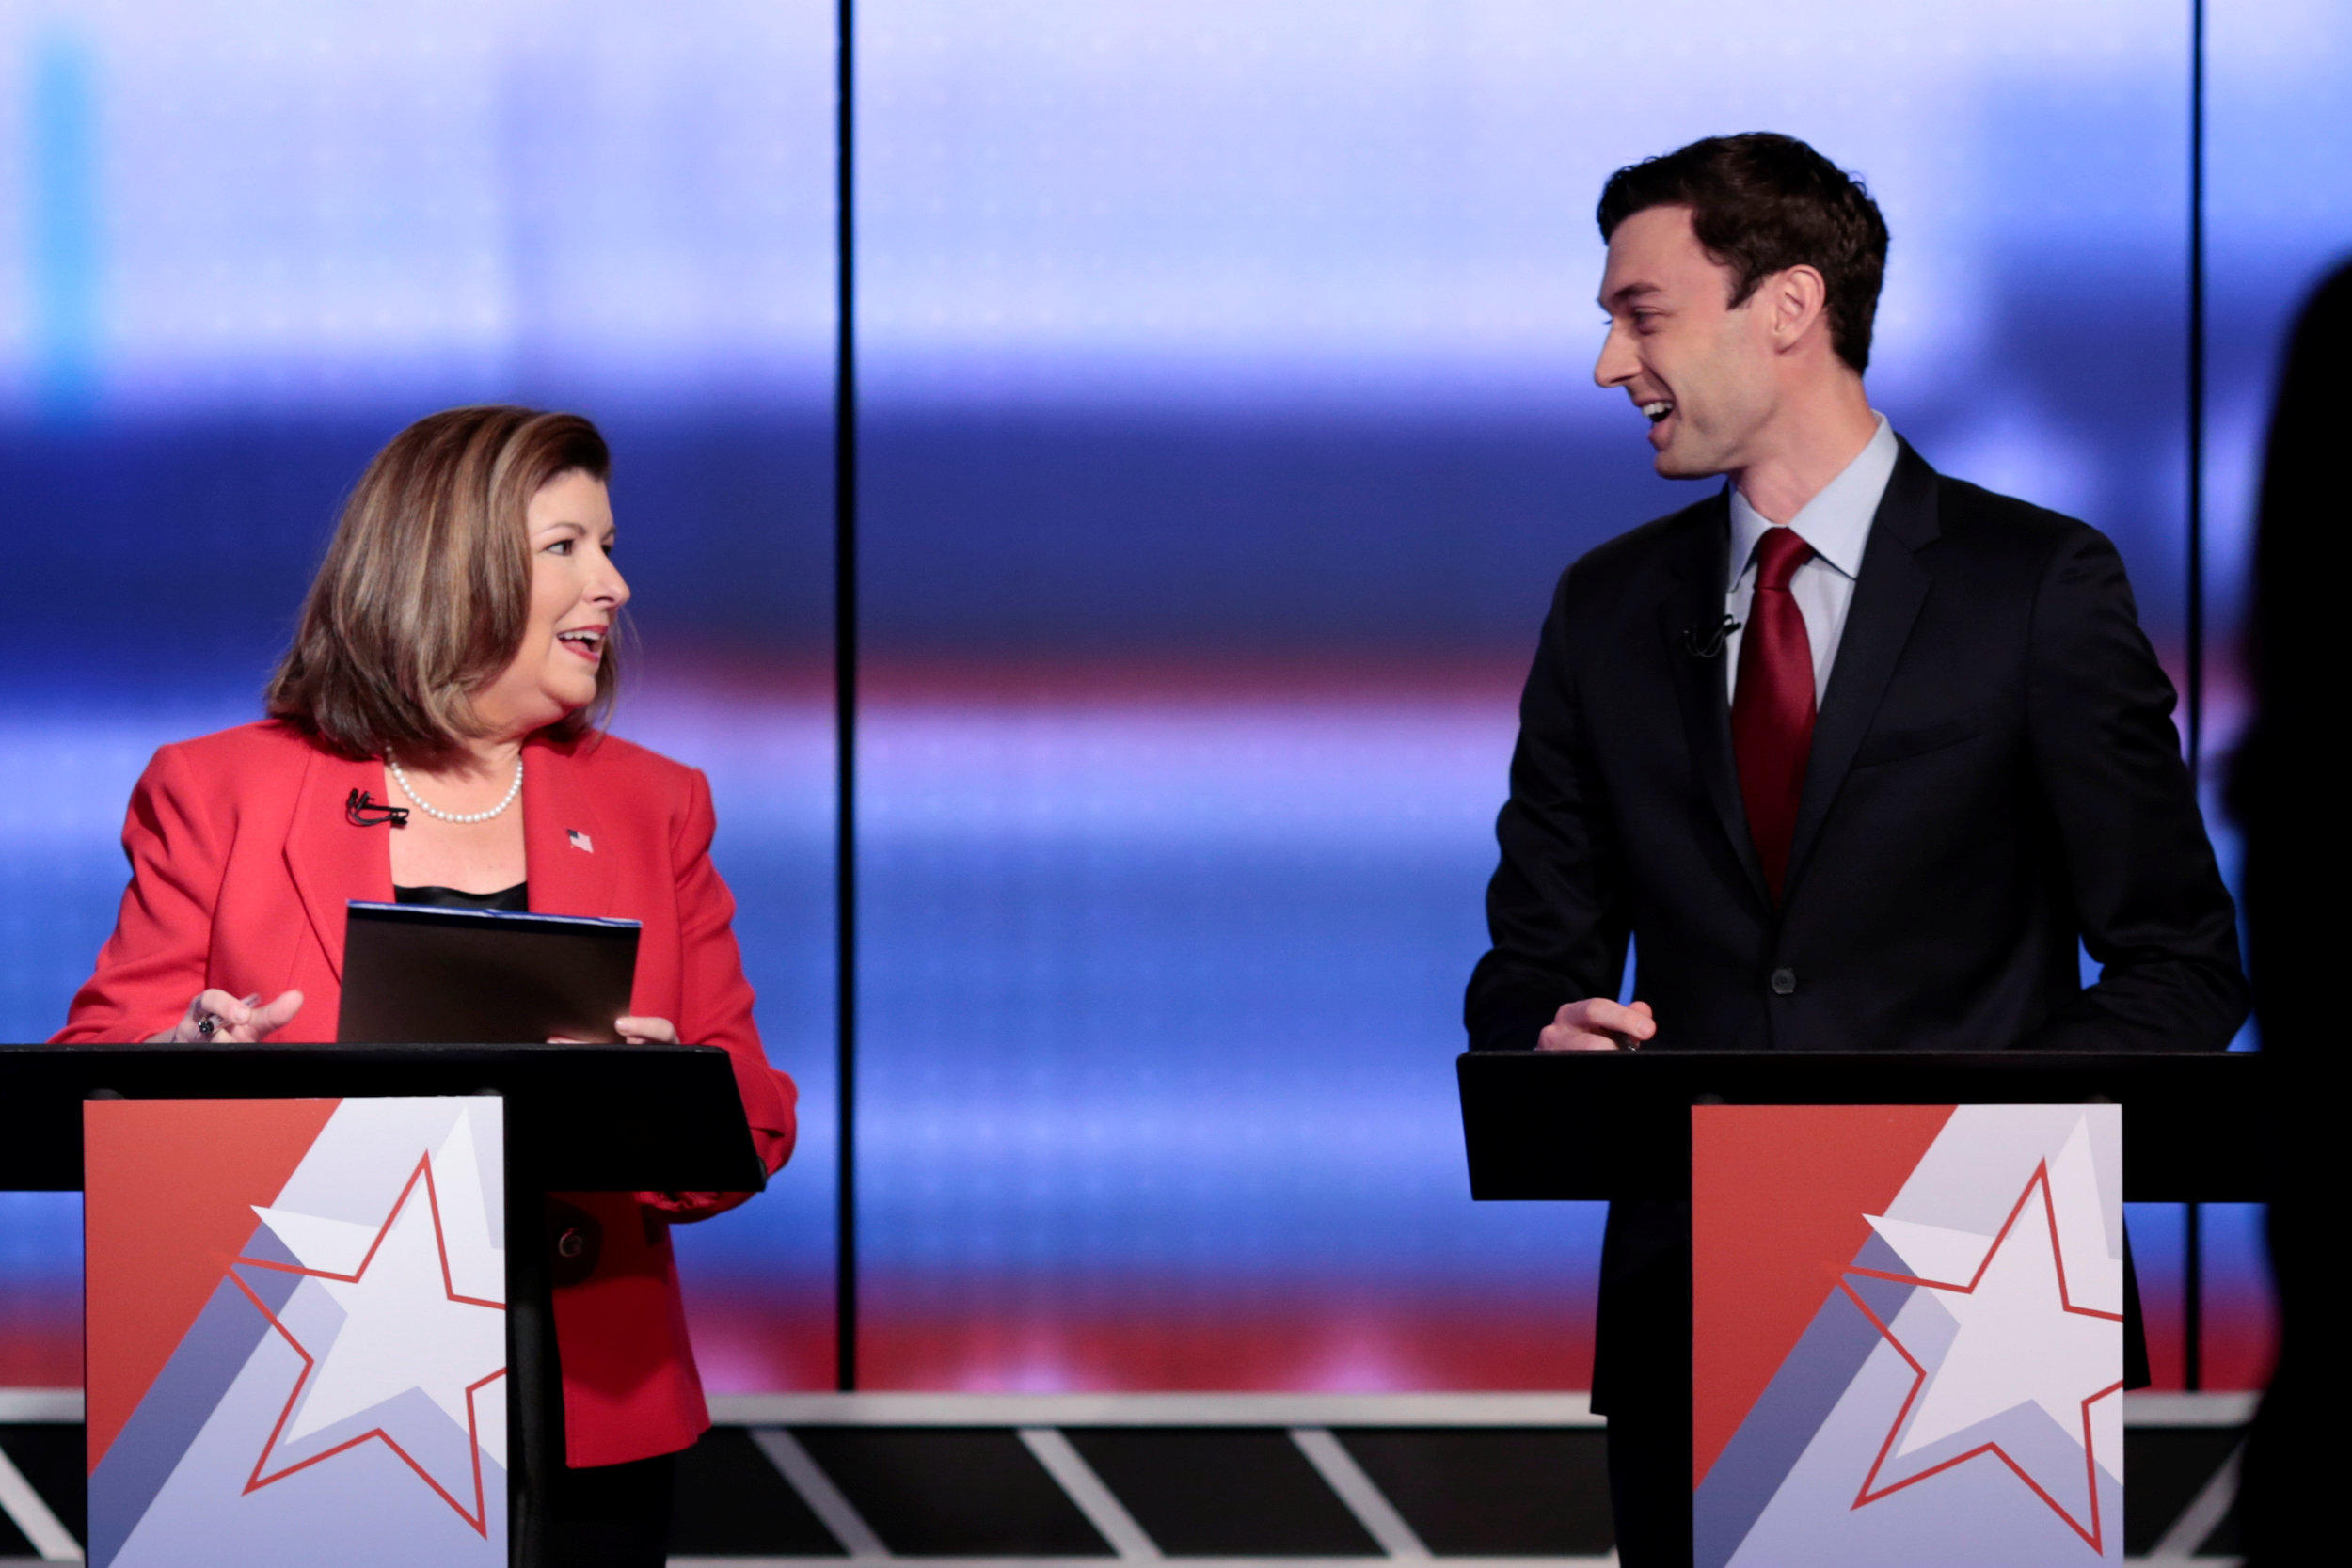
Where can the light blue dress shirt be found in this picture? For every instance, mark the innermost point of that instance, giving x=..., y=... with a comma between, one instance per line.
x=1837, y=523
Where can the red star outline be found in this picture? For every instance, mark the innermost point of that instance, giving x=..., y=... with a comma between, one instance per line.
x=479, y=1518
x=2093, y=1536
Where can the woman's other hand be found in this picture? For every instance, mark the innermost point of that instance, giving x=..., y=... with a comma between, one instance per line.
x=634, y=1031
x=686, y=1207
x=234, y=1020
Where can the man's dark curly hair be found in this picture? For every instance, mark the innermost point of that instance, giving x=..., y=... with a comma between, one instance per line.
x=1761, y=203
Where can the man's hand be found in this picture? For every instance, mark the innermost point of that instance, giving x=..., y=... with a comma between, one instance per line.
x=1596, y=1024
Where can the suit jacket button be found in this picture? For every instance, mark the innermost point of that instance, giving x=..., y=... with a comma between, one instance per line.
x=1784, y=982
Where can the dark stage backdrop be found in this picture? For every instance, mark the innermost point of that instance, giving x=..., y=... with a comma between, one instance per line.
x=1226, y=421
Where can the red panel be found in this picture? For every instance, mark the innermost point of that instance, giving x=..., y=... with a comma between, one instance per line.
x=169, y=1189
x=41, y=1336
x=1764, y=1265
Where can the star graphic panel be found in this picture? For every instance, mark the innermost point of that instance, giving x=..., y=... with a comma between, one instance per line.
x=1954, y=1390
x=341, y=1391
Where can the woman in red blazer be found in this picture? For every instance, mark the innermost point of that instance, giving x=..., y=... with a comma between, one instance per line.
x=430, y=740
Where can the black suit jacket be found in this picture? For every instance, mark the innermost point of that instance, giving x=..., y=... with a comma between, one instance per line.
x=1994, y=776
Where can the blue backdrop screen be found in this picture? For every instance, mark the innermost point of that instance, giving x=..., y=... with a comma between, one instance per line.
x=242, y=245
x=1226, y=421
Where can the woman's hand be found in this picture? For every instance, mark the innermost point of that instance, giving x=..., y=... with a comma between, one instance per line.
x=232, y=1019
x=634, y=1031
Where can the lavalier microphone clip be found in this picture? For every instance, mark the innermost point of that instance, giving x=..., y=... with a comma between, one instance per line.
x=362, y=810
x=1708, y=645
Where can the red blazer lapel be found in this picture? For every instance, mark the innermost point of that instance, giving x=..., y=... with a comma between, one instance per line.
x=573, y=863
x=331, y=861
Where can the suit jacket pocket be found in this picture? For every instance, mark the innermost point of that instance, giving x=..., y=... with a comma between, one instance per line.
x=1897, y=745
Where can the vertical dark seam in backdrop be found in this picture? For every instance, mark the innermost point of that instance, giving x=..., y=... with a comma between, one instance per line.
x=845, y=696
x=2192, y=1227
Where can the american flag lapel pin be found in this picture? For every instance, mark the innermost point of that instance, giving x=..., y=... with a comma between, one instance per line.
x=581, y=840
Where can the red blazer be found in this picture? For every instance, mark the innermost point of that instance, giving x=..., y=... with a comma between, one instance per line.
x=241, y=862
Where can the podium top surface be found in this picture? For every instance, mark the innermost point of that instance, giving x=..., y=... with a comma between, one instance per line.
x=580, y=1117
x=1617, y=1124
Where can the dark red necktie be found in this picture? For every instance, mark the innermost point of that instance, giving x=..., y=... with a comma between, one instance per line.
x=1772, y=707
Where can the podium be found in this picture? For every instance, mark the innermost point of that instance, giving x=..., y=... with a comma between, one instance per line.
x=313, y=1321
x=1616, y=1124
x=580, y=1117
x=1908, y=1280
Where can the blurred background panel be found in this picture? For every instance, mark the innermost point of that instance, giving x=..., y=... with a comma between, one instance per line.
x=1227, y=423
x=242, y=244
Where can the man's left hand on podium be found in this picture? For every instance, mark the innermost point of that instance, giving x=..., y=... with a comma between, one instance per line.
x=1597, y=1024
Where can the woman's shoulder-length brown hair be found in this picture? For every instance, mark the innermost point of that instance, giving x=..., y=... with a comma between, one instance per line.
x=424, y=595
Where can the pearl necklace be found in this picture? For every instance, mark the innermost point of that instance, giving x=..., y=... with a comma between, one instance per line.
x=410, y=790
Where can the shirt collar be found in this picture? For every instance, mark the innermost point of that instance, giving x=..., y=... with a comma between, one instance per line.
x=1837, y=522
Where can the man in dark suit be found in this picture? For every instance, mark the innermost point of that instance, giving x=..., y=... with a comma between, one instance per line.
x=1855, y=754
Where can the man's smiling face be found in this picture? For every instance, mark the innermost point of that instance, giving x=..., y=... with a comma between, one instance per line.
x=1699, y=369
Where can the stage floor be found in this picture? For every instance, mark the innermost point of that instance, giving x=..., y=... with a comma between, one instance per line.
x=1214, y=1479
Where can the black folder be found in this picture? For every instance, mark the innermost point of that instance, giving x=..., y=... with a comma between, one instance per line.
x=427, y=975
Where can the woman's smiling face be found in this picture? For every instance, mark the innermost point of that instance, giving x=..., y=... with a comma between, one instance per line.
x=576, y=597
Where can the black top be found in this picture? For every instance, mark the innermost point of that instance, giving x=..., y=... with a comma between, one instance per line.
x=516, y=899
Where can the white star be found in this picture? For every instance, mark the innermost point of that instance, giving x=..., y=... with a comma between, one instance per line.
x=401, y=1331
x=421, y=1303
x=2018, y=1341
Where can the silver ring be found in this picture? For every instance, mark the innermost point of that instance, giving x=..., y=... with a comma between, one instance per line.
x=207, y=1025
